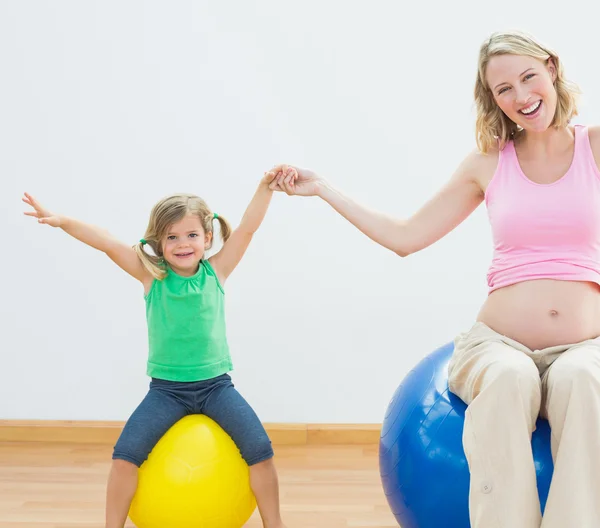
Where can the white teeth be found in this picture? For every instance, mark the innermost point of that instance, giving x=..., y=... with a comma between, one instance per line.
x=531, y=108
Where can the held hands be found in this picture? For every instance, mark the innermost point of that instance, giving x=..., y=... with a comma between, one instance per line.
x=293, y=181
x=43, y=215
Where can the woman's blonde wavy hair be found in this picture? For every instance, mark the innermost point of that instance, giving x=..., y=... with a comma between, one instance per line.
x=492, y=125
x=164, y=214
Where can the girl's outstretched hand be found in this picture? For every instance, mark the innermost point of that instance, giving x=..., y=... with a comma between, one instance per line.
x=295, y=181
x=43, y=215
x=269, y=179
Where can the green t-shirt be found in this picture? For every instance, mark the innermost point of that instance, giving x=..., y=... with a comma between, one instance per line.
x=186, y=327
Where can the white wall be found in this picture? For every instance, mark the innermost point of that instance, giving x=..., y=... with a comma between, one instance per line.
x=107, y=106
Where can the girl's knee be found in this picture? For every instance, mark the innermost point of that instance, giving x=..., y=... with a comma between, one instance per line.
x=121, y=465
x=257, y=452
x=127, y=453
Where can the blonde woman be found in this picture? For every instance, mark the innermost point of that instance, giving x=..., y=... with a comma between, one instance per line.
x=534, y=347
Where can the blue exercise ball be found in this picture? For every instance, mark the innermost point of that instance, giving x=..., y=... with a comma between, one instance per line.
x=422, y=463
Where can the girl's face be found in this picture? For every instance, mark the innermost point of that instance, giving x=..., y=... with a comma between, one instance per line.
x=184, y=245
x=523, y=88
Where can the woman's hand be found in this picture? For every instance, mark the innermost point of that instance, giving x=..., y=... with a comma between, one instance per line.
x=295, y=181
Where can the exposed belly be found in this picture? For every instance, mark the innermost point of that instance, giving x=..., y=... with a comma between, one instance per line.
x=543, y=313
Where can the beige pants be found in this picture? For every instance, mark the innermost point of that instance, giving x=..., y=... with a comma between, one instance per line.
x=506, y=385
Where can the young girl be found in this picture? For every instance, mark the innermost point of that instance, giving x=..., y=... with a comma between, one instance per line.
x=189, y=356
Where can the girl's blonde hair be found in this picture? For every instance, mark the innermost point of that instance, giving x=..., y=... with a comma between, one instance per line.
x=492, y=124
x=164, y=214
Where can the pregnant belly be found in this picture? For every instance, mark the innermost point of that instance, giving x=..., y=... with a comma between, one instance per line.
x=543, y=313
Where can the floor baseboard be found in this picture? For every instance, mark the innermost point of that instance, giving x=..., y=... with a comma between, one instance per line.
x=107, y=432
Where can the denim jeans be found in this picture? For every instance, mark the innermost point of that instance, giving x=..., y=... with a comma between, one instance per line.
x=169, y=401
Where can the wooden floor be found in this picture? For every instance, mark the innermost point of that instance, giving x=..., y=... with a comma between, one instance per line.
x=63, y=485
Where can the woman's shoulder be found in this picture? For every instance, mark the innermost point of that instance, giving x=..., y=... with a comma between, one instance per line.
x=485, y=158
x=594, y=135
x=476, y=168
x=482, y=163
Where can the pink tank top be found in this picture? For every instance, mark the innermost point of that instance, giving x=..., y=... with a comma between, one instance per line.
x=545, y=231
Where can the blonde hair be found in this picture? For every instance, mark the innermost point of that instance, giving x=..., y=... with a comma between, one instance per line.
x=492, y=124
x=164, y=214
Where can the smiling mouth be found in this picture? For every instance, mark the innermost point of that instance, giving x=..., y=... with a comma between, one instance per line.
x=531, y=110
x=184, y=255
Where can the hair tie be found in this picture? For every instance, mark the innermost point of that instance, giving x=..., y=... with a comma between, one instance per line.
x=143, y=241
x=215, y=215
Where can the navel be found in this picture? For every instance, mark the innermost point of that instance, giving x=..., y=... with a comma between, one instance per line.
x=553, y=313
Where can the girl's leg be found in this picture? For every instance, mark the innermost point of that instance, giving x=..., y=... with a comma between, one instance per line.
x=122, y=483
x=265, y=486
x=229, y=409
x=158, y=411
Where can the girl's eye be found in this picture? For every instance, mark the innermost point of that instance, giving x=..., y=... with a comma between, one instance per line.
x=171, y=237
x=193, y=235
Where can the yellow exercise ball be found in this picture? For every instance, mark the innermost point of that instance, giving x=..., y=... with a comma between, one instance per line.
x=194, y=477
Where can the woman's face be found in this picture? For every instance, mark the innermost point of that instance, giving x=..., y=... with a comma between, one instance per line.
x=523, y=88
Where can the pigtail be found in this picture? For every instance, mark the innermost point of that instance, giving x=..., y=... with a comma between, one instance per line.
x=152, y=263
x=224, y=227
